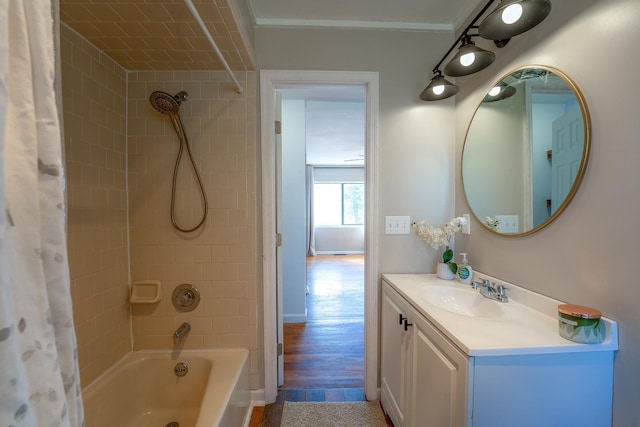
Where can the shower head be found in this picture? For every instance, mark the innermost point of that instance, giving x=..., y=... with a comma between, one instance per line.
x=167, y=104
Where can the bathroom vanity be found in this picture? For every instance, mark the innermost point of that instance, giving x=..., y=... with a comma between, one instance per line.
x=454, y=358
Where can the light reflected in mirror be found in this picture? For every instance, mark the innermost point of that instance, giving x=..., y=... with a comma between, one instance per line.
x=526, y=151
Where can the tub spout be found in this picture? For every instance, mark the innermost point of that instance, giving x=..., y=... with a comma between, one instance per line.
x=181, y=333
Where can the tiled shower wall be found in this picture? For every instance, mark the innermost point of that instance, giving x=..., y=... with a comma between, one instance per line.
x=221, y=258
x=94, y=108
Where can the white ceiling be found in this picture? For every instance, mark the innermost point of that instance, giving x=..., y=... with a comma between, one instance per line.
x=335, y=123
x=428, y=15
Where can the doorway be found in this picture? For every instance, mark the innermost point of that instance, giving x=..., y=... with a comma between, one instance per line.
x=271, y=82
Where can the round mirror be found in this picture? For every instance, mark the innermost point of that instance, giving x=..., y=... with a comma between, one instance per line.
x=526, y=151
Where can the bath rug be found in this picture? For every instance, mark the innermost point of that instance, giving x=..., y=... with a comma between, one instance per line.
x=332, y=414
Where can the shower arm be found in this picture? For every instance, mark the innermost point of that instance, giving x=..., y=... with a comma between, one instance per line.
x=207, y=34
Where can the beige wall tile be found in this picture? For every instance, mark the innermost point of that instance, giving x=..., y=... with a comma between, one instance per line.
x=95, y=152
x=220, y=259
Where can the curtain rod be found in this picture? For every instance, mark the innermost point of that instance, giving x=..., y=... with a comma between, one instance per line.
x=206, y=32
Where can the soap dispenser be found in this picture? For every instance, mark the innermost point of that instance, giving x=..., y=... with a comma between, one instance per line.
x=465, y=272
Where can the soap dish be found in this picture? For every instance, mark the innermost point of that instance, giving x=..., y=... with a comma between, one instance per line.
x=145, y=292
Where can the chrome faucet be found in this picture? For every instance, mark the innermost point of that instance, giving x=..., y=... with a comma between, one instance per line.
x=181, y=332
x=491, y=290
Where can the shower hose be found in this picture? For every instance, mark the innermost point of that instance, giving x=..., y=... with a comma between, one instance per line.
x=184, y=142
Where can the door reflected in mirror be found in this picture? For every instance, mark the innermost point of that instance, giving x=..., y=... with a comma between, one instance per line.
x=526, y=151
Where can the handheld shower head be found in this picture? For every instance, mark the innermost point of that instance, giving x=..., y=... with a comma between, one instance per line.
x=165, y=103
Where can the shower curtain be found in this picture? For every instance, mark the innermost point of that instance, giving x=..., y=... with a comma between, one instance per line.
x=39, y=380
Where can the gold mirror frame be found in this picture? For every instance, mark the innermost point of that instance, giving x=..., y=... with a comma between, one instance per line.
x=586, y=122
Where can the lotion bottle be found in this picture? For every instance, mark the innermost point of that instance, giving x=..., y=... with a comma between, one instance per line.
x=465, y=272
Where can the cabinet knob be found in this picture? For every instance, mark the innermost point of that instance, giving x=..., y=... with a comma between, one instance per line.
x=407, y=324
x=402, y=319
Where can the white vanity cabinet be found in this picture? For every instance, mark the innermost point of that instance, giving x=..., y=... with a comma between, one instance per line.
x=449, y=370
x=395, y=354
x=414, y=357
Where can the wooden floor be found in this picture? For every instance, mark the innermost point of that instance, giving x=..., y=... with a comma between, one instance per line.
x=328, y=350
x=324, y=358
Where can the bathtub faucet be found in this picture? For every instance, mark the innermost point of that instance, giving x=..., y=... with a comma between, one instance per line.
x=181, y=332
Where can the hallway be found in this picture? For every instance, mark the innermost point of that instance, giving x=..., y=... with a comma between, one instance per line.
x=327, y=352
x=324, y=358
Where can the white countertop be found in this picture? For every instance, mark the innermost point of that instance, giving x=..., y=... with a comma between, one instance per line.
x=529, y=324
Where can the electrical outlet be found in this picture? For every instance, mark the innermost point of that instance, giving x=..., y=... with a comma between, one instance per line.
x=397, y=225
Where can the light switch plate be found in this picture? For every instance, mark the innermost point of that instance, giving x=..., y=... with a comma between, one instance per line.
x=508, y=223
x=466, y=228
x=397, y=225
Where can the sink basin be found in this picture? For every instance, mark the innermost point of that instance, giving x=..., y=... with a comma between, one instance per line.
x=459, y=300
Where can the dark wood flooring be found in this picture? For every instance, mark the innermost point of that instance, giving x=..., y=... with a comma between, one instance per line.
x=328, y=350
x=324, y=358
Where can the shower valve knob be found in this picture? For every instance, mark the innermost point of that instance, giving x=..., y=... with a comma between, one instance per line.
x=186, y=297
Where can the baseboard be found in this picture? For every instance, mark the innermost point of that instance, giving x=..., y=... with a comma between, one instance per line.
x=294, y=318
x=257, y=399
x=376, y=396
x=339, y=252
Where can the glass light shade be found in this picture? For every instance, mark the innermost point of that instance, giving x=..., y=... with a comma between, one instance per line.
x=504, y=22
x=468, y=60
x=439, y=88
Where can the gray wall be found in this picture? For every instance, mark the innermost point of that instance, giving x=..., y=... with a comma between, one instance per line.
x=294, y=219
x=415, y=146
x=588, y=255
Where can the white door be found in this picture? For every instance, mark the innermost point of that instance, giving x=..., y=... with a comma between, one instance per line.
x=279, y=270
x=567, y=147
x=439, y=375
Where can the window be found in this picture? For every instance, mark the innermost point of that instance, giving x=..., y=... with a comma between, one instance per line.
x=338, y=203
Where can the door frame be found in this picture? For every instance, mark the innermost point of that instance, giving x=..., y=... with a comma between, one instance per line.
x=270, y=81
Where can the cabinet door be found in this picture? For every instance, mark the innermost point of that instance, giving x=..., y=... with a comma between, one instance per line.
x=440, y=379
x=394, y=346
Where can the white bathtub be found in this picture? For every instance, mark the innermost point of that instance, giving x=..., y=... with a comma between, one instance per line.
x=142, y=390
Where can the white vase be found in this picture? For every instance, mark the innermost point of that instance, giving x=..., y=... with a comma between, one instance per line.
x=444, y=272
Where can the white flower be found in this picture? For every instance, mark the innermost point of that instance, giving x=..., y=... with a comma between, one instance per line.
x=492, y=223
x=436, y=237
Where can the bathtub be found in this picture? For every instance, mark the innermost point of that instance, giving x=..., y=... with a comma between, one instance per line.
x=143, y=390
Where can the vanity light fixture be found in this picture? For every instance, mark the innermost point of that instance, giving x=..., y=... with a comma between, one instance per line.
x=510, y=18
x=469, y=59
x=439, y=88
x=513, y=17
x=499, y=92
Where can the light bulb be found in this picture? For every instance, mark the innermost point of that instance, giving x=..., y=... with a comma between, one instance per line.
x=496, y=90
x=467, y=59
x=437, y=90
x=512, y=14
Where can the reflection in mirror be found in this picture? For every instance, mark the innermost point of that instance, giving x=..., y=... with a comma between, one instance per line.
x=526, y=151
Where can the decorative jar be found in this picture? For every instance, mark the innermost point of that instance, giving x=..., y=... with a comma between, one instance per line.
x=580, y=324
